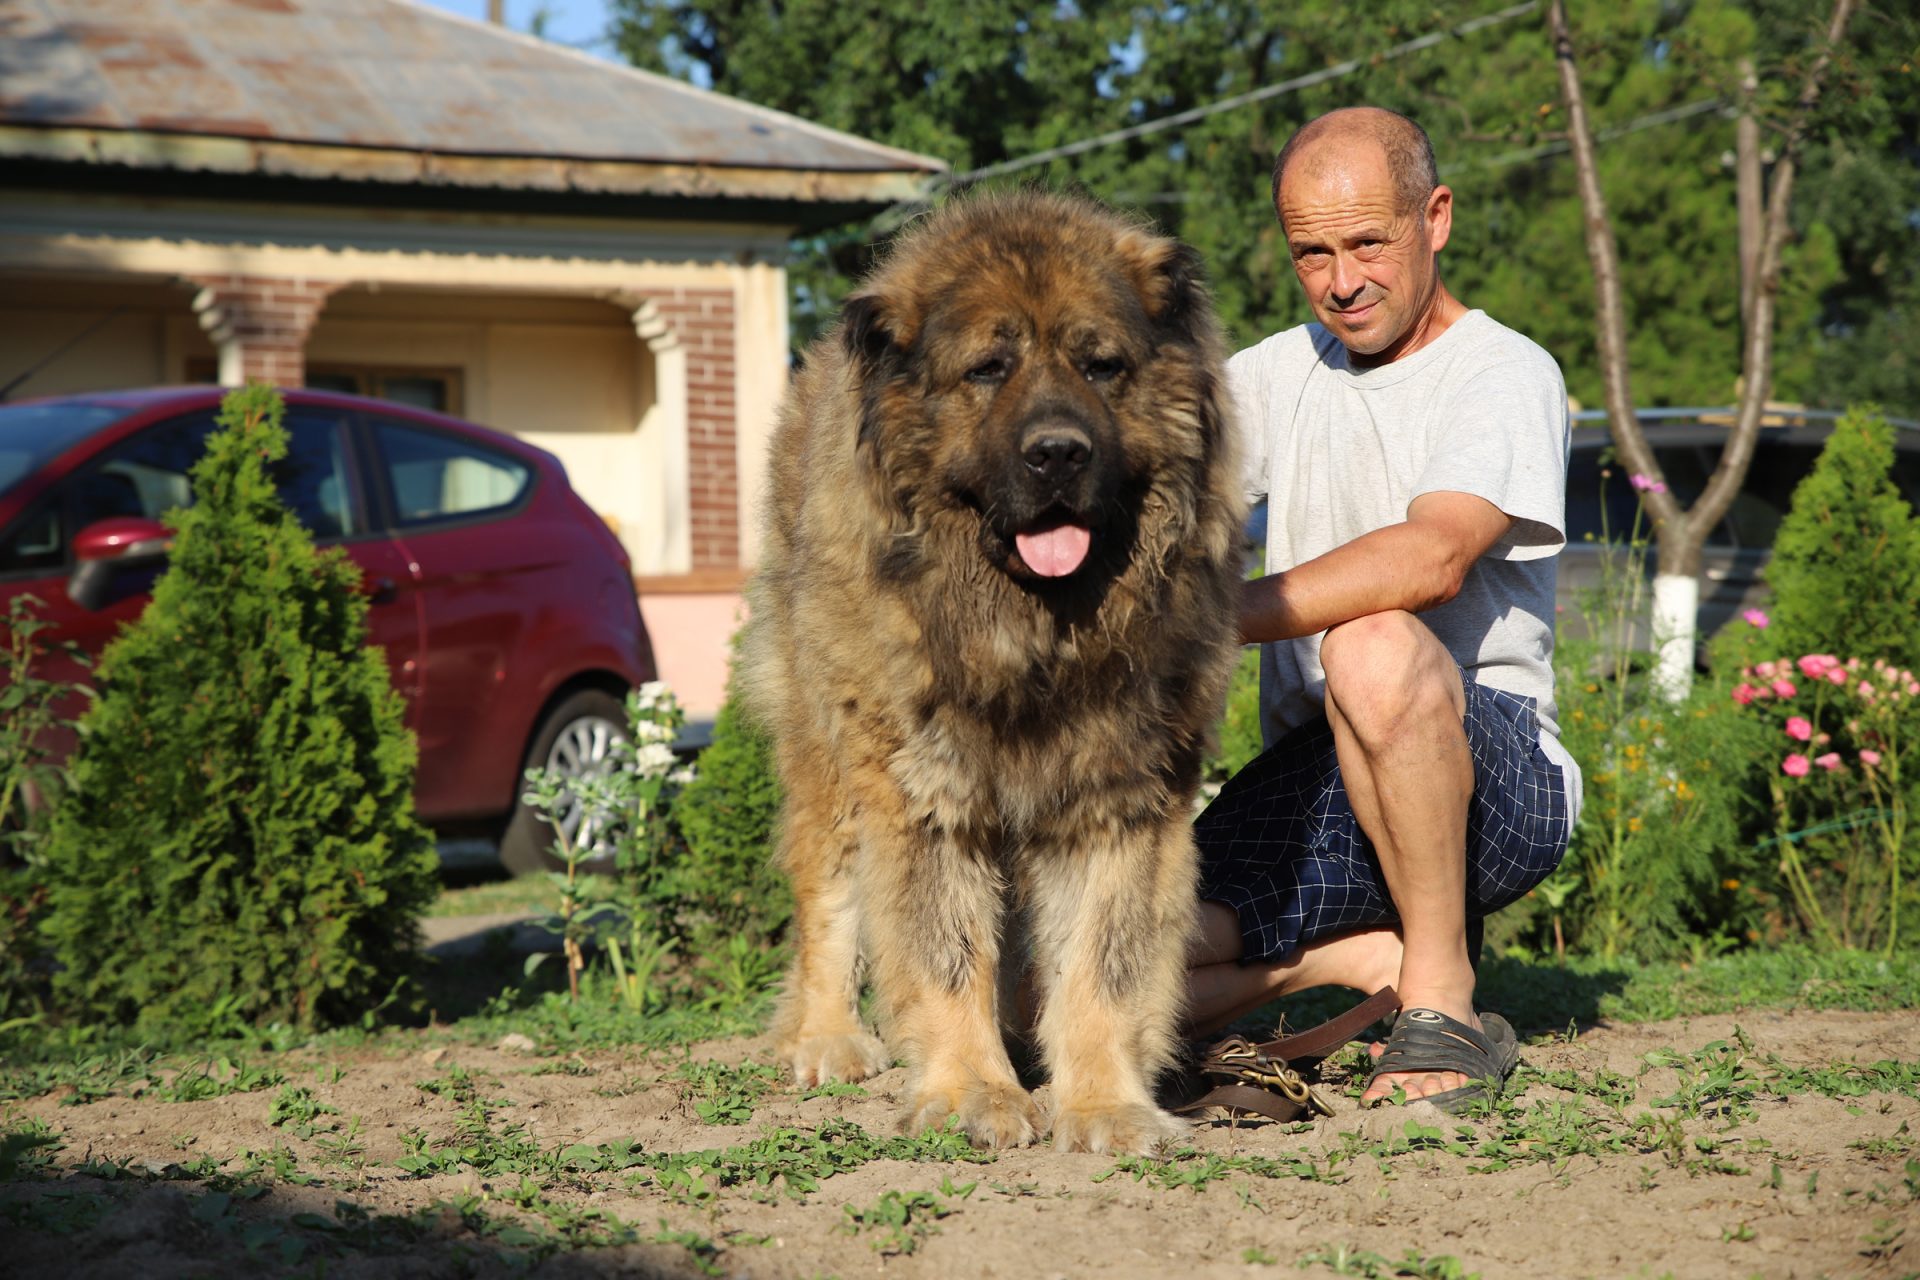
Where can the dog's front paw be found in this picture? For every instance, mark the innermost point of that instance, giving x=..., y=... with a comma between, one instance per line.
x=1130, y=1127
x=990, y=1115
x=847, y=1058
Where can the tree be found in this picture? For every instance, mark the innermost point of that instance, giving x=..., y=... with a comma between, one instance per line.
x=238, y=843
x=1681, y=532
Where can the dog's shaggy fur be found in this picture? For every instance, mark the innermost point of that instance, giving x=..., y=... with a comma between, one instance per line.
x=992, y=628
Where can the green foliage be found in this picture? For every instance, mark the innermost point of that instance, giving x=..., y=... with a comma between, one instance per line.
x=35, y=705
x=239, y=843
x=1845, y=571
x=1240, y=727
x=725, y=818
x=996, y=81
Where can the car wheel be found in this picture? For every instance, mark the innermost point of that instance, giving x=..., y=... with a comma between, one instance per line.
x=576, y=739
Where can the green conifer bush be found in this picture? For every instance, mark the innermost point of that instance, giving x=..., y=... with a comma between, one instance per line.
x=1845, y=571
x=239, y=840
x=726, y=817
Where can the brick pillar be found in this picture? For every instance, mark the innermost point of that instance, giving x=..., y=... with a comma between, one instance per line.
x=260, y=325
x=703, y=319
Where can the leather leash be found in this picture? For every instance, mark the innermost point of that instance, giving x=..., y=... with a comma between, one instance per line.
x=1265, y=1078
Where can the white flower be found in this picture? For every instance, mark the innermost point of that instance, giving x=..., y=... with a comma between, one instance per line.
x=654, y=758
x=652, y=731
x=654, y=693
x=682, y=776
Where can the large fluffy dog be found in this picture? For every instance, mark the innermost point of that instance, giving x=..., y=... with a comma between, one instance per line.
x=992, y=627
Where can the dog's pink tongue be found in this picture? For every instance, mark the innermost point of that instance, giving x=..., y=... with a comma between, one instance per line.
x=1055, y=552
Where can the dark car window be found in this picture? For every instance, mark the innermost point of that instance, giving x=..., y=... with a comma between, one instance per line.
x=32, y=434
x=147, y=476
x=436, y=476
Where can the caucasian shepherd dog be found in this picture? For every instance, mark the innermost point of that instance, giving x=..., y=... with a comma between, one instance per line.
x=992, y=628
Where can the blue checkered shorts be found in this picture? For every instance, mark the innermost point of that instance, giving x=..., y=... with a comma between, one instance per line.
x=1280, y=844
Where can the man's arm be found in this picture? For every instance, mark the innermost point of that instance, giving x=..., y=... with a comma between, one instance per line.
x=1415, y=565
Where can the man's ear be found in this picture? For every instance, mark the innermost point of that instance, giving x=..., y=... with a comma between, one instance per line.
x=1439, y=213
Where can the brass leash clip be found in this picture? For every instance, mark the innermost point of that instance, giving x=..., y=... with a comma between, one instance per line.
x=1238, y=1059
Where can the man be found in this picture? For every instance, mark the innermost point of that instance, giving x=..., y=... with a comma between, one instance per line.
x=1413, y=454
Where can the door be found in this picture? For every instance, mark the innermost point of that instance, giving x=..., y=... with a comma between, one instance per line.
x=479, y=568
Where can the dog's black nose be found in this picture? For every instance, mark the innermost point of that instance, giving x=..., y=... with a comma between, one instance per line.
x=1056, y=454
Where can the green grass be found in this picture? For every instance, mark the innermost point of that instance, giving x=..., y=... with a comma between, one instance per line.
x=528, y=895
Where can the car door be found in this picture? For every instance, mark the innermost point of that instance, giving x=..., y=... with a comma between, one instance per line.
x=148, y=474
x=453, y=503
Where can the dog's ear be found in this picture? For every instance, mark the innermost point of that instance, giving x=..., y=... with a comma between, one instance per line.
x=866, y=330
x=1170, y=279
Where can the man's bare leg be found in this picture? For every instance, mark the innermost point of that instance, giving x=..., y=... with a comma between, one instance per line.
x=1220, y=989
x=1397, y=708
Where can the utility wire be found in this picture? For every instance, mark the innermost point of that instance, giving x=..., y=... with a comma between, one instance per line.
x=1238, y=100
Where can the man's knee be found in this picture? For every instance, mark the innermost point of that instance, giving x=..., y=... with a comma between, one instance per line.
x=1387, y=669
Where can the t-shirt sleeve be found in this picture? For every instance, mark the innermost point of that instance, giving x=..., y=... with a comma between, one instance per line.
x=1503, y=436
x=1248, y=390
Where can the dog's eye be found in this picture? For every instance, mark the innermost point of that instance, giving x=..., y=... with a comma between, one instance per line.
x=1104, y=369
x=990, y=370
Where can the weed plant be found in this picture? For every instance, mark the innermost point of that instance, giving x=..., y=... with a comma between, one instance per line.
x=1641, y=858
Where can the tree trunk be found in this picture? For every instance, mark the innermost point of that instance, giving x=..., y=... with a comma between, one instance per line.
x=1747, y=189
x=1681, y=534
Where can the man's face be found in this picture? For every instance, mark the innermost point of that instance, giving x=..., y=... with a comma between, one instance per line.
x=1367, y=264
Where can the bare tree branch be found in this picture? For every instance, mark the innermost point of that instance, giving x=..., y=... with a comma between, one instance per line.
x=1757, y=355
x=1611, y=330
x=1747, y=190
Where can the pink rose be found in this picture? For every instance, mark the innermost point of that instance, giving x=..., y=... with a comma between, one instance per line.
x=1865, y=691
x=1800, y=729
x=1795, y=766
x=1836, y=676
x=1853, y=664
x=1869, y=758
x=1645, y=483
x=1913, y=688
x=1829, y=761
x=1764, y=670
x=1784, y=687
x=1743, y=693
x=1822, y=739
x=1755, y=618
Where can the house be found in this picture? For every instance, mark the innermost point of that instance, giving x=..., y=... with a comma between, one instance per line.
x=378, y=196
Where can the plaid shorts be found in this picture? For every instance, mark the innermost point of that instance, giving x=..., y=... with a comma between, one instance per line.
x=1280, y=844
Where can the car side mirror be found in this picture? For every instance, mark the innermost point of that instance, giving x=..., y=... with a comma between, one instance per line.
x=107, y=546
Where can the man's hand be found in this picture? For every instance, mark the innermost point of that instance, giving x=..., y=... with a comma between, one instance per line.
x=1415, y=565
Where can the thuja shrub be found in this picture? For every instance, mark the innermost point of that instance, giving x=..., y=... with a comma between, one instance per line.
x=238, y=843
x=1845, y=570
x=725, y=817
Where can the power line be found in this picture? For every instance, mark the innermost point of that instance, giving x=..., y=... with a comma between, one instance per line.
x=1238, y=100
x=1651, y=120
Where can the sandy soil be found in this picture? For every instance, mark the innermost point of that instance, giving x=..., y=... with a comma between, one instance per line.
x=1744, y=1169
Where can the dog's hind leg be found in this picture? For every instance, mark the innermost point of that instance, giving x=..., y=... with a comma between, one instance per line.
x=817, y=1030
x=1111, y=907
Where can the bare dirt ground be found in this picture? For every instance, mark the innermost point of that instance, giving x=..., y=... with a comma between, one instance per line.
x=1680, y=1148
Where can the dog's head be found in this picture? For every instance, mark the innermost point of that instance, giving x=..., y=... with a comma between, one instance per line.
x=1043, y=364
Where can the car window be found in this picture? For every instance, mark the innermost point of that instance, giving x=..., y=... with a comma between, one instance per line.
x=437, y=476
x=32, y=434
x=147, y=476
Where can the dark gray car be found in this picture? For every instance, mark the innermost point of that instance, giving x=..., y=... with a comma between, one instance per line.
x=1687, y=444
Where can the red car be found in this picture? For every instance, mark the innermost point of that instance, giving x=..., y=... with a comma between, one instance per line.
x=504, y=604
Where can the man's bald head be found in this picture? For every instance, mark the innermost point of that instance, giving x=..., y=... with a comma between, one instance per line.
x=1408, y=150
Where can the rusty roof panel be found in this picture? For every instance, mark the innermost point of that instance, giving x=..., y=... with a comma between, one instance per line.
x=389, y=75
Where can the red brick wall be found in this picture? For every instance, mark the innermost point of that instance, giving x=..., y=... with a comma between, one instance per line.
x=270, y=319
x=703, y=319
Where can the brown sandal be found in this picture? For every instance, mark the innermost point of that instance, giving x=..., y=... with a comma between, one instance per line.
x=1264, y=1079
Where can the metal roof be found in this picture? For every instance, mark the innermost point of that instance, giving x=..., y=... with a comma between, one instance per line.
x=224, y=84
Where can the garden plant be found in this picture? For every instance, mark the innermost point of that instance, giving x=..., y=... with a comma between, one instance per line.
x=238, y=845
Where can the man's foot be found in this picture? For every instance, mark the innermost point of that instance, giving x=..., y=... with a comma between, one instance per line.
x=1431, y=1048
x=1416, y=1083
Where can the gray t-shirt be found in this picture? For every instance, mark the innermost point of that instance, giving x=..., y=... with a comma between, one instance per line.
x=1341, y=451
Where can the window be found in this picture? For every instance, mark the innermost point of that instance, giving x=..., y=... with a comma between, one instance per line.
x=33, y=434
x=435, y=476
x=435, y=389
x=148, y=475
